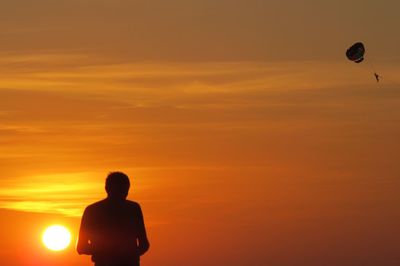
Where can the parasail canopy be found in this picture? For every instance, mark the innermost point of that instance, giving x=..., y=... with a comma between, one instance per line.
x=356, y=52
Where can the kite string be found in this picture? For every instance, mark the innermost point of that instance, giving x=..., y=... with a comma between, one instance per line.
x=367, y=67
x=370, y=62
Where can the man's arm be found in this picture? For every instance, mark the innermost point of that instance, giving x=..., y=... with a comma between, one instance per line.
x=83, y=246
x=144, y=244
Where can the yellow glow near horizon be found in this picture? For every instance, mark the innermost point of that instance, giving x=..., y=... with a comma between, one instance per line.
x=56, y=237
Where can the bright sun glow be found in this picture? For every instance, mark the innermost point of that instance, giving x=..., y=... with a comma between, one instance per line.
x=56, y=237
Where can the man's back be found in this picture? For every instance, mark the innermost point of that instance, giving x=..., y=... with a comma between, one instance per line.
x=113, y=232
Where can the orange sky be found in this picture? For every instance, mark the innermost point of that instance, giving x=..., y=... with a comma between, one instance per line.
x=246, y=143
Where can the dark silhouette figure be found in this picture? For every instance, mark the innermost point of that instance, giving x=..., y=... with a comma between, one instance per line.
x=112, y=230
x=377, y=77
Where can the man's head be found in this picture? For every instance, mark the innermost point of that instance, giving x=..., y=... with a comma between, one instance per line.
x=117, y=185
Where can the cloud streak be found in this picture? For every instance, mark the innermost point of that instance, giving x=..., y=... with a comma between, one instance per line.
x=61, y=193
x=66, y=116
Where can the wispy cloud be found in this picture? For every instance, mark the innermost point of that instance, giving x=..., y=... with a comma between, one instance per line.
x=64, y=193
x=61, y=113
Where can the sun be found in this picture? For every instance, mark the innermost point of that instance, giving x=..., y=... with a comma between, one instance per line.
x=56, y=237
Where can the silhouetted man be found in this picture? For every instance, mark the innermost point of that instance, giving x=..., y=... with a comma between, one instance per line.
x=112, y=230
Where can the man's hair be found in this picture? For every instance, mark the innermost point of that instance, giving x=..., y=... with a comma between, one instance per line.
x=117, y=184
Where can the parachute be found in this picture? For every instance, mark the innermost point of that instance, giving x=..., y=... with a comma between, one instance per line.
x=356, y=52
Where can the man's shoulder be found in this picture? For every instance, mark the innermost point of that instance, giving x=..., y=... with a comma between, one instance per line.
x=132, y=204
x=96, y=205
x=105, y=204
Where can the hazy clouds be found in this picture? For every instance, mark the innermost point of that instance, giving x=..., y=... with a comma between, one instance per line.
x=201, y=30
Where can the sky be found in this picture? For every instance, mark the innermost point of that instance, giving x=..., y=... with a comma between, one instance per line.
x=248, y=136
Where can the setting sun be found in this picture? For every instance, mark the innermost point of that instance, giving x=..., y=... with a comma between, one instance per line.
x=56, y=237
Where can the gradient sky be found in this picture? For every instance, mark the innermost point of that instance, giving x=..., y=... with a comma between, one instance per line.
x=248, y=136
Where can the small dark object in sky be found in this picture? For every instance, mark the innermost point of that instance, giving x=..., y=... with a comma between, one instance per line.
x=356, y=52
x=377, y=77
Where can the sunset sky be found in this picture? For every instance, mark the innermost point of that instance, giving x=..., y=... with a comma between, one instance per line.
x=249, y=138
